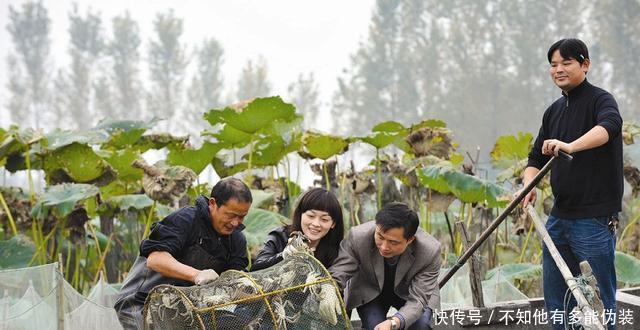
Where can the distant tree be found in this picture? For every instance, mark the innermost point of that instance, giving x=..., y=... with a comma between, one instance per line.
x=254, y=80
x=407, y=62
x=29, y=63
x=305, y=97
x=18, y=104
x=428, y=68
x=469, y=71
x=103, y=98
x=167, y=65
x=373, y=84
x=86, y=48
x=618, y=44
x=124, y=56
x=479, y=64
x=206, y=85
x=60, y=116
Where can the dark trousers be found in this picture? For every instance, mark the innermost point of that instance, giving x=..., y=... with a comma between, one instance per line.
x=587, y=239
x=375, y=312
x=130, y=316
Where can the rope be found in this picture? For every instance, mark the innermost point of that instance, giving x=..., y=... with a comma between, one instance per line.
x=587, y=290
x=582, y=283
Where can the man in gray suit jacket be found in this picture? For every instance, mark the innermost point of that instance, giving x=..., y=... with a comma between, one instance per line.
x=390, y=262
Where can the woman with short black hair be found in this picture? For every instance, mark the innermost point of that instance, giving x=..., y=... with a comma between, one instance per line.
x=319, y=216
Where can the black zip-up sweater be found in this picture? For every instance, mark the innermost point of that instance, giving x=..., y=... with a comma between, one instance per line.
x=592, y=184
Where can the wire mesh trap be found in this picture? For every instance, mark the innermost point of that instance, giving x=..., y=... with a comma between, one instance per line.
x=297, y=293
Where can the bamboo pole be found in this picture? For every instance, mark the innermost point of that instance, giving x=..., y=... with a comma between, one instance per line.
x=60, y=294
x=5, y=309
x=474, y=268
x=583, y=303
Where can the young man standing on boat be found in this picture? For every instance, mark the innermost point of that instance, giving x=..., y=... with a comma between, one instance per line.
x=584, y=122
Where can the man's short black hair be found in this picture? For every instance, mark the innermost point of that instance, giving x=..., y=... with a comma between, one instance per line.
x=398, y=215
x=569, y=49
x=231, y=188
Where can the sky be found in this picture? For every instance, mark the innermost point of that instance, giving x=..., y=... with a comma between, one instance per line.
x=294, y=36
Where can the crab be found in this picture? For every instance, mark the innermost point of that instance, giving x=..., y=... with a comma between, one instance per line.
x=311, y=285
x=281, y=316
x=254, y=324
x=268, y=283
x=245, y=282
x=244, y=287
x=299, y=241
x=169, y=301
x=329, y=304
x=287, y=278
x=328, y=301
x=215, y=299
x=163, y=301
x=187, y=316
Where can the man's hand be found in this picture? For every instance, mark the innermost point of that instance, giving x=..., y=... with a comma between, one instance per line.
x=553, y=146
x=205, y=276
x=386, y=324
x=529, y=199
x=529, y=174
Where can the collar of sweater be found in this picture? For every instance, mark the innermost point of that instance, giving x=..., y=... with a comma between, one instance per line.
x=578, y=90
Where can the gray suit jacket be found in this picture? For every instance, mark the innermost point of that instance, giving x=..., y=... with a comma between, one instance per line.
x=360, y=268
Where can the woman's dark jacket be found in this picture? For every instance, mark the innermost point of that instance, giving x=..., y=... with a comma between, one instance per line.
x=271, y=252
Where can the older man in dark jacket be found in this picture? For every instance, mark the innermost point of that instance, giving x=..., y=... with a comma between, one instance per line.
x=191, y=245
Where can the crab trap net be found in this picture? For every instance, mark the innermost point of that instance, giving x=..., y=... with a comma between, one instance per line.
x=296, y=293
